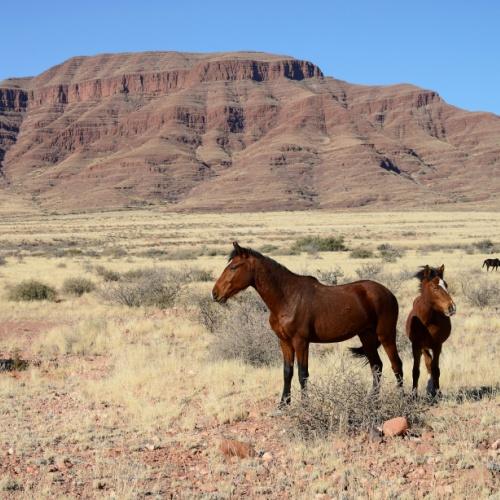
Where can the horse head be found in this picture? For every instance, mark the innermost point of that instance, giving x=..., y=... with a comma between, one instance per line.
x=238, y=274
x=435, y=290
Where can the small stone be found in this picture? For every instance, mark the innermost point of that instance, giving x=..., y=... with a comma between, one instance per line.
x=10, y=451
x=267, y=457
x=395, y=426
x=150, y=447
x=496, y=445
x=233, y=448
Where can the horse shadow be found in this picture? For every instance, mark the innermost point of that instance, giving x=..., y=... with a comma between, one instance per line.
x=466, y=394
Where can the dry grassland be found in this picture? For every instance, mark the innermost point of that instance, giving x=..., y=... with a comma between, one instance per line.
x=127, y=402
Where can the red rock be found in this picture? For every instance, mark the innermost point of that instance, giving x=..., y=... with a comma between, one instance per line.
x=233, y=448
x=496, y=445
x=395, y=426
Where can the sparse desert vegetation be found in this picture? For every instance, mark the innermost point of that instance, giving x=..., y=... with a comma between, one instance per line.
x=134, y=375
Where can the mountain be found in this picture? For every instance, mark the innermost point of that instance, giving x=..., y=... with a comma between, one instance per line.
x=237, y=131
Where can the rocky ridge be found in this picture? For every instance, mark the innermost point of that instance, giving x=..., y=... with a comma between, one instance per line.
x=237, y=131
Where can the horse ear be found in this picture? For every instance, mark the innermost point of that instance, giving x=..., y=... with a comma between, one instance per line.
x=440, y=271
x=427, y=272
x=239, y=250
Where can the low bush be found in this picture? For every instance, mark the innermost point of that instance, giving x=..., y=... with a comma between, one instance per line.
x=342, y=403
x=389, y=253
x=31, y=290
x=369, y=271
x=484, y=246
x=183, y=254
x=78, y=286
x=480, y=293
x=268, y=248
x=361, y=253
x=194, y=274
x=107, y=274
x=330, y=276
x=143, y=287
x=3, y=260
x=241, y=331
x=116, y=252
x=312, y=244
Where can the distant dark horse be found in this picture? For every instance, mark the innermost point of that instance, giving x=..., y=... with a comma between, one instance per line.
x=302, y=310
x=493, y=263
x=428, y=324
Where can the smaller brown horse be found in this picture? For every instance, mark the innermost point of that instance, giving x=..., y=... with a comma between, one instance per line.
x=302, y=310
x=428, y=324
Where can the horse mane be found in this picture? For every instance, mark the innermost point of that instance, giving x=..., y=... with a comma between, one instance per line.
x=420, y=274
x=258, y=255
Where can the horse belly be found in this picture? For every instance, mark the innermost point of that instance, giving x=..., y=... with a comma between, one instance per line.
x=341, y=325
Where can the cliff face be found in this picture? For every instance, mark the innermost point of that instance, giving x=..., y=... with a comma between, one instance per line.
x=237, y=131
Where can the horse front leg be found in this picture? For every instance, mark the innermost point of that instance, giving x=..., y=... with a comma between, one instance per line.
x=432, y=366
x=302, y=350
x=288, y=360
x=417, y=355
x=435, y=371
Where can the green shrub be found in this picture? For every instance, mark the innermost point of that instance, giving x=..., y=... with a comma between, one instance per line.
x=77, y=286
x=361, y=253
x=312, y=244
x=31, y=290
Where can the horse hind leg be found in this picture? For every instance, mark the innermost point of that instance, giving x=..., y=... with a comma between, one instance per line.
x=370, y=350
x=387, y=337
x=396, y=363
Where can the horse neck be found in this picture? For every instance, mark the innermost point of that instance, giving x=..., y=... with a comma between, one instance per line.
x=426, y=304
x=271, y=282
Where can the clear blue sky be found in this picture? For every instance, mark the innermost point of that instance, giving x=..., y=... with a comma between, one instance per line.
x=452, y=47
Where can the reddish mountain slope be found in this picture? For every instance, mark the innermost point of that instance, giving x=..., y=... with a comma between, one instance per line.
x=237, y=131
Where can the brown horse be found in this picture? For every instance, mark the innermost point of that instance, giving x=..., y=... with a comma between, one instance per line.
x=428, y=324
x=302, y=310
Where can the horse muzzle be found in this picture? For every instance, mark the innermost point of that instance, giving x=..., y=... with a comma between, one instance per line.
x=216, y=298
x=451, y=310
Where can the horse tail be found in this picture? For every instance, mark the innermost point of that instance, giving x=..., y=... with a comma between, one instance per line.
x=359, y=352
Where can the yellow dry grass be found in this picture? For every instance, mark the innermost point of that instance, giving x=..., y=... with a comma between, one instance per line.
x=142, y=375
